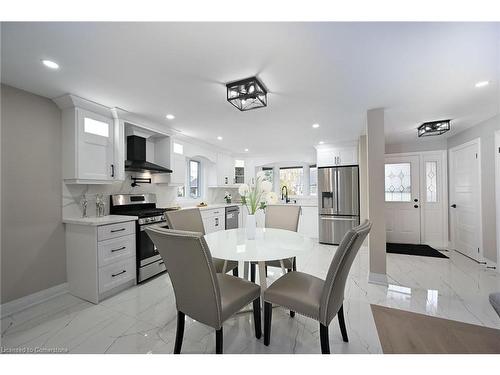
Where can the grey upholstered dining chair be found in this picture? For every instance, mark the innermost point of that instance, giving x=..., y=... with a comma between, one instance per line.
x=201, y=293
x=280, y=217
x=190, y=220
x=311, y=296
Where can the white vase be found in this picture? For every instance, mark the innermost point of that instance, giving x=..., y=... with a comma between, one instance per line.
x=250, y=227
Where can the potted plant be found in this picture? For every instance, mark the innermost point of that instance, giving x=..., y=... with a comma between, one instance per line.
x=228, y=197
x=255, y=197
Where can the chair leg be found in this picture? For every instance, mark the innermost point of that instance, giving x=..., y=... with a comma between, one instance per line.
x=235, y=272
x=179, y=335
x=292, y=313
x=256, y=318
x=343, y=329
x=218, y=341
x=325, y=343
x=252, y=272
x=268, y=313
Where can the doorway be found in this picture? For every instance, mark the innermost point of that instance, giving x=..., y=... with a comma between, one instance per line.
x=416, y=198
x=465, y=199
x=402, y=199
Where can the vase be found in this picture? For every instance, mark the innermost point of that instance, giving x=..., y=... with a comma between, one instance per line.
x=250, y=227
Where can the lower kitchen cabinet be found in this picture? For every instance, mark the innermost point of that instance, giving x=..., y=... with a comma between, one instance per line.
x=214, y=220
x=308, y=222
x=100, y=259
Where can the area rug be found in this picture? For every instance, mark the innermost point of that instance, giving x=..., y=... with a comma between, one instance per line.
x=403, y=332
x=410, y=249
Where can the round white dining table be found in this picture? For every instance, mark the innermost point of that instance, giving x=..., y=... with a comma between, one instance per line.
x=269, y=244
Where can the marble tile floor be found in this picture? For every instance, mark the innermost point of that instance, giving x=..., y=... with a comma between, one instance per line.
x=143, y=318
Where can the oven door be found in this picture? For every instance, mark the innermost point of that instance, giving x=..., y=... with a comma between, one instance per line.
x=146, y=250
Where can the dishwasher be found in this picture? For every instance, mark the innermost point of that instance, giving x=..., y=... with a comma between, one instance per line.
x=232, y=214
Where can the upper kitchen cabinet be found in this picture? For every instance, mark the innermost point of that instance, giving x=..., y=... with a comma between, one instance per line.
x=225, y=169
x=171, y=152
x=89, y=142
x=330, y=156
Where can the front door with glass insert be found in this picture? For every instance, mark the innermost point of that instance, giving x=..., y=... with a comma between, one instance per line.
x=402, y=199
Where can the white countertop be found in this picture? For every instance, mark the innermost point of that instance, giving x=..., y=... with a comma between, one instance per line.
x=211, y=206
x=95, y=221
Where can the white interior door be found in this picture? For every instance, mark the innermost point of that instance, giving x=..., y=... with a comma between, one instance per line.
x=402, y=199
x=465, y=199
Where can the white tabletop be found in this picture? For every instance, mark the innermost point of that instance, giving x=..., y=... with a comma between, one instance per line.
x=269, y=244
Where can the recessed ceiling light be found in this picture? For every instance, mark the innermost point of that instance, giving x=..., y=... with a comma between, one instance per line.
x=246, y=150
x=170, y=116
x=482, y=83
x=50, y=64
x=315, y=126
x=321, y=142
x=219, y=138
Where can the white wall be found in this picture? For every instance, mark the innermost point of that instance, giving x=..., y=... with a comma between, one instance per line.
x=33, y=248
x=486, y=132
x=376, y=203
x=418, y=145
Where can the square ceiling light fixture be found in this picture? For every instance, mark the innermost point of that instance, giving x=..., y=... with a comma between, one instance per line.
x=433, y=128
x=246, y=94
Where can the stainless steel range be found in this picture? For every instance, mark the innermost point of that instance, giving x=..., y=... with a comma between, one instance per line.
x=149, y=262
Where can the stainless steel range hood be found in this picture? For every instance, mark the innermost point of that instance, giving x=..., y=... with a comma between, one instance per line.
x=136, y=157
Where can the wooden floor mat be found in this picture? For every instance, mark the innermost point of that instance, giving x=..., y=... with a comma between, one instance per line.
x=403, y=332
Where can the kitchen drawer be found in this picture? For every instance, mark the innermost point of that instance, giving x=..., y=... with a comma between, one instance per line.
x=116, y=274
x=214, y=223
x=211, y=213
x=105, y=232
x=115, y=249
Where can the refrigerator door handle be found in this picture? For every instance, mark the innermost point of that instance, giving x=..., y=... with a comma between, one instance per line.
x=334, y=218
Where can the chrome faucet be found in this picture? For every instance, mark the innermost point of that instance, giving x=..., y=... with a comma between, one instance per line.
x=285, y=195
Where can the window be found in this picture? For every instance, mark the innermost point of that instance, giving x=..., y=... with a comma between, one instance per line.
x=194, y=179
x=95, y=127
x=313, y=180
x=178, y=148
x=268, y=174
x=431, y=181
x=398, y=182
x=292, y=178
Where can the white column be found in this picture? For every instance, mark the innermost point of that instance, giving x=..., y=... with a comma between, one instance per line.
x=375, y=151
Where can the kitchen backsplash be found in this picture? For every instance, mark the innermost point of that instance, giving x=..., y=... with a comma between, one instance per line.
x=166, y=195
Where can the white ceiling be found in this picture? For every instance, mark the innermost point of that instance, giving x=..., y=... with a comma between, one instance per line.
x=326, y=73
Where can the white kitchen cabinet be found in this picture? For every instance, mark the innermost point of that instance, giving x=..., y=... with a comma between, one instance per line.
x=214, y=220
x=178, y=166
x=100, y=259
x=308, y=221
x=88, y=142
x=225, y=169
x=337, y=156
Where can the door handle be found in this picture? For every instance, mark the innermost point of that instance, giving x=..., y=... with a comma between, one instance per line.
x=415, y=200
x=453, y=206
x=416, y=206
x=112, y=170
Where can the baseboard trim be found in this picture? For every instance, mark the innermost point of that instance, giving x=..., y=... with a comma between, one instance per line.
x=22, y=303
x=378, y=278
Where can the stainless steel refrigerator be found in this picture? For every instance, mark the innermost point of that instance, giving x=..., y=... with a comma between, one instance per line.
x=338, y=206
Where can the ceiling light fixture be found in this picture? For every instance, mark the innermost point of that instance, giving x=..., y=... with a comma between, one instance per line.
x=170, y=116
x=315, y=126
x=434, y=128
x=246, y=150
x=50, y=64
x=482, y=83
x=321, y=142
x=246, y=94
x=219, y=138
